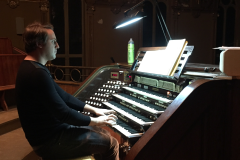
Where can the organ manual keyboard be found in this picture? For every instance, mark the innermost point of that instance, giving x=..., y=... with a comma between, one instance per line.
x=169, y=117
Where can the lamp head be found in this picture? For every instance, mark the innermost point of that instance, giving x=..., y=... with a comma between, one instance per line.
x=129, y=20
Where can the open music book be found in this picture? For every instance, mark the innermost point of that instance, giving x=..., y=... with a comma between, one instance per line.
x=164, y=62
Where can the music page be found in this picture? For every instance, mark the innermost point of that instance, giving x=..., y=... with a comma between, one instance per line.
x=154, y=62
x=163, y=62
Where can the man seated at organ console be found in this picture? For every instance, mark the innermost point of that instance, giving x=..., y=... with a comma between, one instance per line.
x=49, y=116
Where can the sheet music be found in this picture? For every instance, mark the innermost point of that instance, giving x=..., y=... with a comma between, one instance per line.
x=153, y=62
x=163, y=61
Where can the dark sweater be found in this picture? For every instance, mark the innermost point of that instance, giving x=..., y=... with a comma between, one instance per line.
x=44, y=108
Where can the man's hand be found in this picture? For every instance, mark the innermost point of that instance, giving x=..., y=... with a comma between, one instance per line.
x=104, y=116
x=102, y=112
x=103, y=120
x=97, y=111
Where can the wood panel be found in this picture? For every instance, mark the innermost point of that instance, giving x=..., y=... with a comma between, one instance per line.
x=201, y=123
x=9, y=64
x=5, y=46
x=69, y=87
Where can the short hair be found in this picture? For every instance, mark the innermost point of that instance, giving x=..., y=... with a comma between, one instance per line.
x=35, y=34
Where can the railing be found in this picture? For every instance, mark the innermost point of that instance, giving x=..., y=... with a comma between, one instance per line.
x=16, y=50
x=70, y=73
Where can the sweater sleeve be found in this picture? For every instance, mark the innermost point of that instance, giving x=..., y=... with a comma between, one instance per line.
x=54, y=103
x=71, y=101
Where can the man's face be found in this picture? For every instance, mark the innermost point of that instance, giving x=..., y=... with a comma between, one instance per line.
x=49, y=50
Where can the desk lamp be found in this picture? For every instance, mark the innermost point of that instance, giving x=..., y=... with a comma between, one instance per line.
x=138, y=16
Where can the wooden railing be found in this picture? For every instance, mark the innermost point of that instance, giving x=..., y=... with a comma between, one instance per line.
x=70, y=73
x=69, y=78
x=18, y=51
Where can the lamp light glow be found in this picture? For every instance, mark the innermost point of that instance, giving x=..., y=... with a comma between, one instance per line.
x=135, y=19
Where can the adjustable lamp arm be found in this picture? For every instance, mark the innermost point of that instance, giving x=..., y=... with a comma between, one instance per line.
x=131, y=20
x=164, y=24
x=132, y=8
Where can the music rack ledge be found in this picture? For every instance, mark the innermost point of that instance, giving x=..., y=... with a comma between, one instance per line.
x=2, y=93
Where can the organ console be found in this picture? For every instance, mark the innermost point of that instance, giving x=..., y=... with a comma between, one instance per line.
x=187, y=116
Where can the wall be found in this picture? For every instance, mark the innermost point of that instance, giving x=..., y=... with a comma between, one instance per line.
x=28, y=10
x=103, y=42
x=199, y=32
x=237, y=26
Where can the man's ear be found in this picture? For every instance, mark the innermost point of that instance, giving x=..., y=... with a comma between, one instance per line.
x=39, y=45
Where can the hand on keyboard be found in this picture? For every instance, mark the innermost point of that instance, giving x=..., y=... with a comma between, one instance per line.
x=102, y=112
x=112, y=123
x=103, y=120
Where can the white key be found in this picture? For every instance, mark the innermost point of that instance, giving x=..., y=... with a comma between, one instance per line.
x=126, y=114
x=148, y=95
x=125, y=132
x=121, y=129
x=146, y=108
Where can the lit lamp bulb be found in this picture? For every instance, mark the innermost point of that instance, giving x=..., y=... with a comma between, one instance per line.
x=129, y=22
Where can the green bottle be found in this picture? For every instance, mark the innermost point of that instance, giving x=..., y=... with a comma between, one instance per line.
x=130, y=51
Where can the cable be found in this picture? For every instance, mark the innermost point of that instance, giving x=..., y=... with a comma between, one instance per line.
x=163, y=21
x=162, y=28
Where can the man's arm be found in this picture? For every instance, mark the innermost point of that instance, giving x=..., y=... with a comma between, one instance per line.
x=70, y=100
x=57, y=105
x=78, y=105
x=53, y=103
